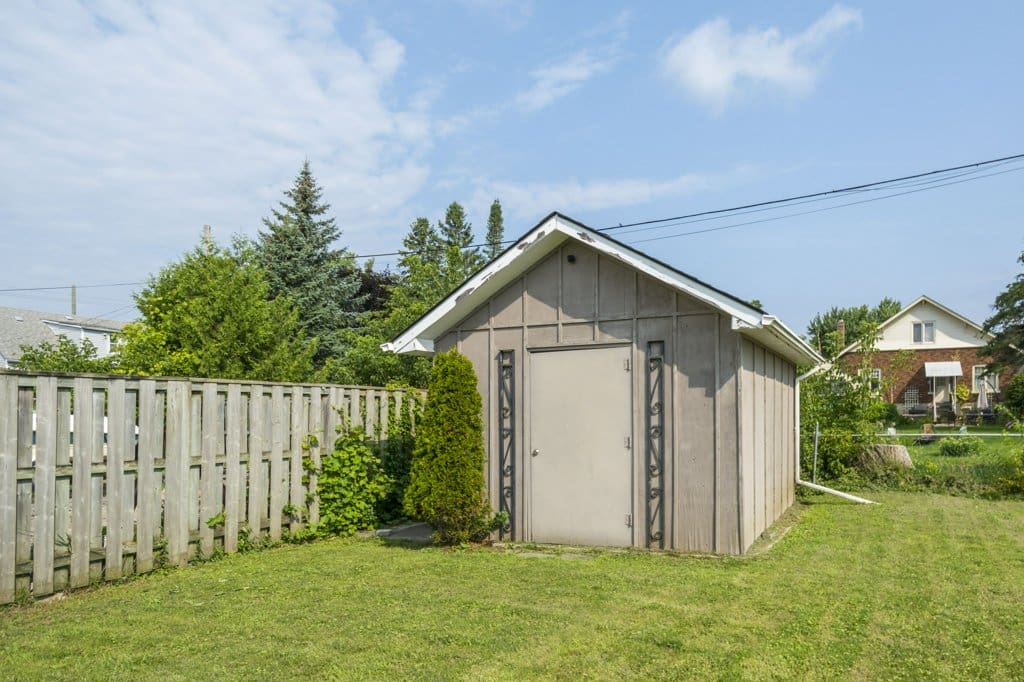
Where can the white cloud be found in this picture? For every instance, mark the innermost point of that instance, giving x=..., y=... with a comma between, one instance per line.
x=716, y=65
x=560, y=78
x=127, y=126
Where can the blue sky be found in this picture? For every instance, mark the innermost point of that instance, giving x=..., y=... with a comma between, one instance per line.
x=125, y=127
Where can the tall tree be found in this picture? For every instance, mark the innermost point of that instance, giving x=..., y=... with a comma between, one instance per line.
x=297, y=253
x=211, y=314
x=495, y=230
x=859, y=321
x=457, y=232
x=1007, y=325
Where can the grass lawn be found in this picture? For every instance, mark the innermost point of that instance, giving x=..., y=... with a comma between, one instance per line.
x=982, y=474
x=921, y=586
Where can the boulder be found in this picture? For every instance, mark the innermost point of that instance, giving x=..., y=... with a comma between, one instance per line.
x=882, y=456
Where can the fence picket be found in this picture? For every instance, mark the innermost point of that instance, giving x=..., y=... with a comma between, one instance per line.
x=277, y=470
x=148, y=498
x=257, y=493
x=176, y=472
x=316, y=427
x=209, y=485
x=116, y=447
x=232, y=469
x=298, y=435
x=8, y=485
x=62, y=489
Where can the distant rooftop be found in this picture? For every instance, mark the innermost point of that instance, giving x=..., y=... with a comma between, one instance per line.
x=32, y=327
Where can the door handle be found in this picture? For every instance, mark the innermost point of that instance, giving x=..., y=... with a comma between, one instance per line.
x=535, y=452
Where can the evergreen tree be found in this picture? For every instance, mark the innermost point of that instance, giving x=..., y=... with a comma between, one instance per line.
x=446, y=480
x=495, y=230
x=460, y=261
x=296, y=253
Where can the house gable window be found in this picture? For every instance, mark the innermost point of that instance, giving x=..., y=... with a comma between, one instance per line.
x=991, y=380
x=924, y=332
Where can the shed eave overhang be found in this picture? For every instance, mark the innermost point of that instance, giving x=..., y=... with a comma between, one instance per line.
x=545, y=237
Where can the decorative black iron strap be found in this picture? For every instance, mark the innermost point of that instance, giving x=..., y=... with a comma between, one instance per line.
x=655, y=444
x=507, y=440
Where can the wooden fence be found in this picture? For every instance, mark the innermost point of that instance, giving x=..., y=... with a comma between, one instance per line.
x=102, y=477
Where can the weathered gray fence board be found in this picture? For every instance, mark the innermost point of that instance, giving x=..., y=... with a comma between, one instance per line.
x=116, y=452
x=208, y=471
x=232, y=470
x=117, y=476
x=277, y=471
x=44, y=485
x=257, y=493
x=8, y=485
x=296, y=431
x=62, y=488
x=316, y=425
x=148, y=492
x=176, y=472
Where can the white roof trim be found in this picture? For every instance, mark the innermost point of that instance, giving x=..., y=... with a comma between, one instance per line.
x=921, y=299
x=538, y=243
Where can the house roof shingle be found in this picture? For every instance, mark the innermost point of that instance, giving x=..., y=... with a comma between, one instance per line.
x=28, y=327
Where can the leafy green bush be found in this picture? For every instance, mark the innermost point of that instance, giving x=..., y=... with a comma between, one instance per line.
x=396, y=456
x=960, y=446
x=882, y=412
x=1013, y=395
x=446, y=486
x=350, y=483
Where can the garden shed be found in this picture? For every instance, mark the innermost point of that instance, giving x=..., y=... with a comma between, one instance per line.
x=626, y=403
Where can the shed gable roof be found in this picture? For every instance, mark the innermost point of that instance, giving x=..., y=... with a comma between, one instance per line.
x=550, y=233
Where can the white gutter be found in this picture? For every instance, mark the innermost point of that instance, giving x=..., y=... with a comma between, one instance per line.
x=808, y=484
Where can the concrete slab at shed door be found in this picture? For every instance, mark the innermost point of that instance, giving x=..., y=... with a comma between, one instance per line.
x=580, y=459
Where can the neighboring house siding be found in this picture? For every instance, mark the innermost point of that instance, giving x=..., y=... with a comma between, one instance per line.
x=949, y=331
x=730, y=400
x=911, y=374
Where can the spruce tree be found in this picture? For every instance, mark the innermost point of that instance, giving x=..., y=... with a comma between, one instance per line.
x=495, y=230
x=296, y=253
x=461, y=261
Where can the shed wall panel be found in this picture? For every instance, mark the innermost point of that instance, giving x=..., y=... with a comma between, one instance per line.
x=653, y=297
x=747, y=431
x=579, y=283
x=727, y=471
x=616, y=289
x=542, y=288
x=695, y=351
x=507, y=306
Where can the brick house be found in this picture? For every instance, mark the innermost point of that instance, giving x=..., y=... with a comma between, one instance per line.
x=923, y=353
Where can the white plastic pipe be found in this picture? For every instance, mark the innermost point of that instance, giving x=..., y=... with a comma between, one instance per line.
x=796, y=435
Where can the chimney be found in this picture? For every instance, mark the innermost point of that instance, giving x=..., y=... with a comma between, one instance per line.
x=840, y=335
x=207, y=238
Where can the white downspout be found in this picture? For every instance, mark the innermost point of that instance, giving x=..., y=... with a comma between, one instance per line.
x=808, y=484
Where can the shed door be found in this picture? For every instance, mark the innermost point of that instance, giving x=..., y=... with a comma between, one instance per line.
x=581, y=464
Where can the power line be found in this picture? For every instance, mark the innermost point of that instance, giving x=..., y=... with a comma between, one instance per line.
x=73, y=286
x=843, y=190
x=937, y=176
x=820, y=210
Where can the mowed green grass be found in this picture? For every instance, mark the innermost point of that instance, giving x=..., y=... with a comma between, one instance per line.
x=920, y=586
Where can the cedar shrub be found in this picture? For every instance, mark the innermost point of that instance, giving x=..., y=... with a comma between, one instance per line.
x=446, y=487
